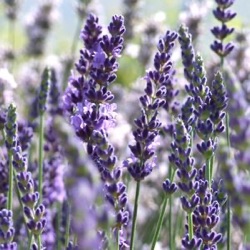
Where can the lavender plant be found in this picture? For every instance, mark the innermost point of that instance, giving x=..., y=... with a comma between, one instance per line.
x=69, y=180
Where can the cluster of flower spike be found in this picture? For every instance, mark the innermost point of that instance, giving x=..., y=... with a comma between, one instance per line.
x=89, y=101
x=204, y=115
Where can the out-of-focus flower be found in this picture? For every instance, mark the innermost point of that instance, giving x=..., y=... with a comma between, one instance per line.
x=7, y=84
x=193, y=16
x=11, y=8
x=38, y=25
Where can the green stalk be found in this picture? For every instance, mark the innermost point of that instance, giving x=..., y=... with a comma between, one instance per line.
x=170, y=223
x=58, y=224
x=11, y=172
x=211, y=165
x=170, y=212
x=137, y=192
x=177, y=219
x=229, y=146
x=190, y=226
x=67, y=227
x=40, y=155
x=30, y=241
x=39, y=242
x=228, y=225
x=160, y=221
x=227, y=131
x=208, y=172
x=72, y=52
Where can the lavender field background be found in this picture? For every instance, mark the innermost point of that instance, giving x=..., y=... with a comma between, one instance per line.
x=124, y=124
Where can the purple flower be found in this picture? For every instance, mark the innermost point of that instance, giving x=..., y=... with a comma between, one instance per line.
x=7, y=230
x=142, y=160
x=223, y=15
x=89, y=101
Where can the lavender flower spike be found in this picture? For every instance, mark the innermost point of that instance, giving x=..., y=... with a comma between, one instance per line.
x=221, y=33
x=7, y=230
x=89, y=101
x=142, y=160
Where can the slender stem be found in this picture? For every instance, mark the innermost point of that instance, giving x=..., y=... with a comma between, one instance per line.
x=208, y=172
x=159, y=223
x=30, y=241
x=228, y=225
x=190, y=226
x=177, y=219
x=3, y=135
x=137, y=192
x=211, y=166
x=170, y=213
x=76, y=37
x=229, y=146
x=10, y=192
x=227, y=130
x=72, y=53
x=162, y=213
x=39, y=242
x=40, y=155
x=58, y=225
x=67, y=226
x=118, y=239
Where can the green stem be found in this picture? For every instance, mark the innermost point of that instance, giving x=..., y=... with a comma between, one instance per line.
x=39, y=242
x=137, y=192
x=177, y=218
x=170, y=212
x=30, y=241
x=72, y=52
x=228, y=225
x=76, y=37
x=67, y=226
x=159, y=223
x=160, y=219
x=40, y=155
x=211, y=166
x=118, y=239
x=58, y=225
x=227, y=130
x=190, y=226
x=208, y=172
x=229, y=146
x=10, y=192
x=170, y=223
x=3, y=135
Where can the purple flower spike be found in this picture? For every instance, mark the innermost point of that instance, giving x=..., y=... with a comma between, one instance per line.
x=89, y=101
x=223, y=15
x=142, y=160
x=7, y=230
